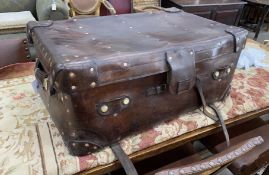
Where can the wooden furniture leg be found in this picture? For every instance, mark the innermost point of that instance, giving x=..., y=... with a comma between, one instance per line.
x=265, y=11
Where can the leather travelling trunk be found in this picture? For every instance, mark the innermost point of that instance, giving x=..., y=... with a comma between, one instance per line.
x=105, y=78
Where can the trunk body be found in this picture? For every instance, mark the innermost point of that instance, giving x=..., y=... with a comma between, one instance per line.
x=105, y=78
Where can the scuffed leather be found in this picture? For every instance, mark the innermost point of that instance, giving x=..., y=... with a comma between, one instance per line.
x=89, y=63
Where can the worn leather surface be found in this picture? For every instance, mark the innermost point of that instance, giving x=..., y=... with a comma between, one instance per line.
x=89, y=66
x=255, y=159
x=14, y=50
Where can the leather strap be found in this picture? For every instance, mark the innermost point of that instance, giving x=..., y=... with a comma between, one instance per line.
x=181, y=76
x=217, y=117
x=127, y=164
x=222, y=123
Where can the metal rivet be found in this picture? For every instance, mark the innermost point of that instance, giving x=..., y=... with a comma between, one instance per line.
x=170, y=58
x=66, y=97
x=93, y=84
x=28, y=49
x=92, y=69
x=130, y=27
x=73, y=144
x=93, y=39
x=73, y=87
x=126, y=101
x=73, y=134
x=191, y=52
x=104, y=108
x=72, y=75
x=219, y=44
x=67, y=60
x=219, y=80
x=80, y=27
x=67, y=28
x=115, y=115
x=87, y=33
x=228, y=70
x=95, y=147
x=67, y=110
x=76, y=56
x=216, y=74
x=74, y=19
x=87, y=145
x=24, y=41
x=125, y=64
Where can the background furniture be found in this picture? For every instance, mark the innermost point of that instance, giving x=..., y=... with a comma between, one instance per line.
x=254, y=15
x=89, y=7
x=121, y=7
x=41, y=9
x=227, y=12
x=256, y=159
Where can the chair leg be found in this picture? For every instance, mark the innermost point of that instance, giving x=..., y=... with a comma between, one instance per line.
x=261, y=20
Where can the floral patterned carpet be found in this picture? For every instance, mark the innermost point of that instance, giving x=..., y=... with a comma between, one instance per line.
x=30, y=143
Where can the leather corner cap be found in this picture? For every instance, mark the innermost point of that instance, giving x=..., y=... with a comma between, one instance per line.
x=17, y=70
x=256, y=158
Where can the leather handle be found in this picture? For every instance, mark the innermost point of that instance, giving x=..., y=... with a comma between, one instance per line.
x=216, y=161
x=182, y=73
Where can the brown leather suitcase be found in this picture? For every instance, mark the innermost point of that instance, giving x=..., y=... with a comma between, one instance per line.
x=105, y=78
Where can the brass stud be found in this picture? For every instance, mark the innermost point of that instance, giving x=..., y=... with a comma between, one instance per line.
x=216, y=74
x=73, y=87
x=93, y=84
x=126, y=101
x=228, y=70
x=72, y=74
x=104, y=108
